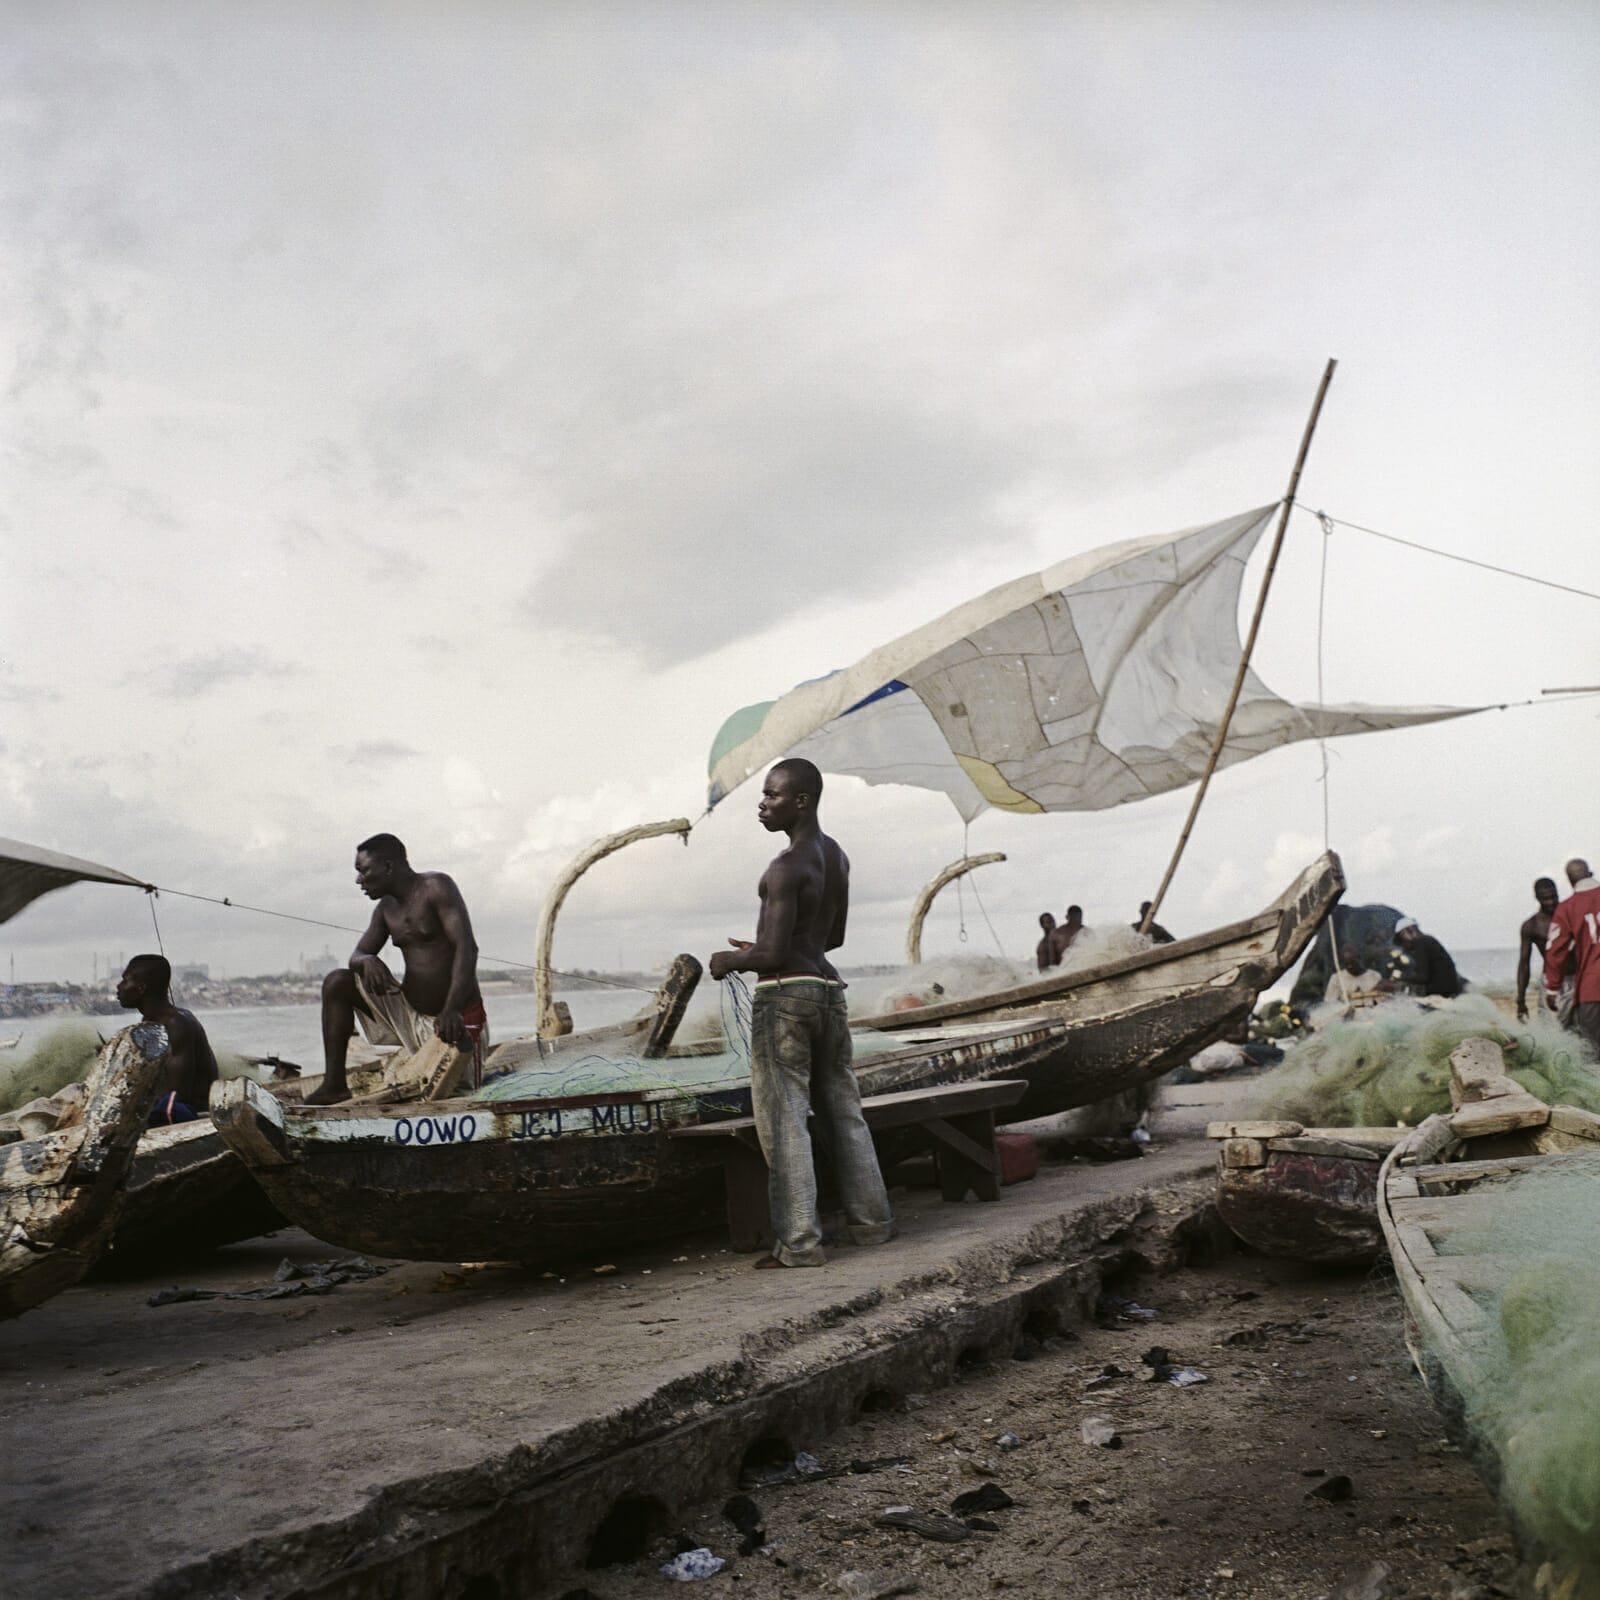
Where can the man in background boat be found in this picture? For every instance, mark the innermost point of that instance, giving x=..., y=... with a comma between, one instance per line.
x=1574, y=950
x=1424, y=965
x=424, y=914
x=800, y=1049
x=1066, y=934
x=191, y=1066
x=1354, y=977
x=1158, y=934
x=1045, y=951
x=1534, y=932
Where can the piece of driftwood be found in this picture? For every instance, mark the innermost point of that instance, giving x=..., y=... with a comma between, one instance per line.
x=60, y=1194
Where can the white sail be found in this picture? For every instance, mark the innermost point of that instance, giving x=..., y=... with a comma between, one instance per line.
x=1098, y=681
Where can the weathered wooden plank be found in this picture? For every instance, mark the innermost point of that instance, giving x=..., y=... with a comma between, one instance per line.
x=1402, y=1186
x=1478, y=1072
x=1244, y=1153
x=1265, y=1129
x=672, y=1000
x=1502, y=1114
x=1415, y=1242
x=1330, y=1144
x=1580, y=1124
x=1485, y=1272
x=1432, y=1141
x=1475, y=1171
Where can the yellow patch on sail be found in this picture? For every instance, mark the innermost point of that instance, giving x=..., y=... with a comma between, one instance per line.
x=993, y=787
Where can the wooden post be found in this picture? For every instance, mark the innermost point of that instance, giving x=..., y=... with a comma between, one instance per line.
x=1249, y=645
x=549, y=1026
x=920, y=907
x=672, y=1000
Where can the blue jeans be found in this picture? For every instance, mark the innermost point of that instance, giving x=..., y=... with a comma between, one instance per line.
x=799, y=1066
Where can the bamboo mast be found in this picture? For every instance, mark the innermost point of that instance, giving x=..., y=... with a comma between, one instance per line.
x=1249, y=645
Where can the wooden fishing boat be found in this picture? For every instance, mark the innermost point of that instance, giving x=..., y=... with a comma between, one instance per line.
x=1308, y=1194
x=1438, y=1188
x=1250, y=955
x=545, y=1180
x=60, y=1194
x=186, y=1192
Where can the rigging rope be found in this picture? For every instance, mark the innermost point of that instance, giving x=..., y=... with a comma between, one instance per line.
x=992, y=934
x=1322, y=742
x=1450, y=555
x=153, y=890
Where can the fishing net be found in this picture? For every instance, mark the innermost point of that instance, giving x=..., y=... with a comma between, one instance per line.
x=1391, y=1064
x=707, y=1080
x=61, y=1056
x=968, y=977
x=1535, y=1391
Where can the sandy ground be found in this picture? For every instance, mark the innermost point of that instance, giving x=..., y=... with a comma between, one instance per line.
x=1212, y=1491
x=285, y=1440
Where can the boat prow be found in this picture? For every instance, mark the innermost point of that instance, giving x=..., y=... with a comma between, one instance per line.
x=60, y=1194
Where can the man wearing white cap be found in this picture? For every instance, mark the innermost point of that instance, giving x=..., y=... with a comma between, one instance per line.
x=1431, y=971
x=1574, y=949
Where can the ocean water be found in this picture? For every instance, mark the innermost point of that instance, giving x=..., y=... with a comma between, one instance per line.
x=295, y=1032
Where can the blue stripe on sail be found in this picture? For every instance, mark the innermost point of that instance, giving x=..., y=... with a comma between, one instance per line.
x=893, y=686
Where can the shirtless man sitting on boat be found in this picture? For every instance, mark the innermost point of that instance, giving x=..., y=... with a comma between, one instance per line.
x=800, y=1050
x=191, y=1066
x=424, y=914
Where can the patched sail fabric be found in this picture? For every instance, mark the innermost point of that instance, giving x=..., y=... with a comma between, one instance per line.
x=26, y=872
x=1098, y=681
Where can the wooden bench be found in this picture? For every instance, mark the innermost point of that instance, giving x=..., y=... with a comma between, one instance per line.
x=958, y=1120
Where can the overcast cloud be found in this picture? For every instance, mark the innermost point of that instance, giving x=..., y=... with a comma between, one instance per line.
x=439, y=418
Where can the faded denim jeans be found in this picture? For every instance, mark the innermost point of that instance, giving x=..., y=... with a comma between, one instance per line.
x=799, y=1066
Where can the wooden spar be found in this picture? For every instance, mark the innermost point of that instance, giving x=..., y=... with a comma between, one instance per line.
x=924, y=901
x=1249, y=646
x=548, y=1025
x=672, y=1000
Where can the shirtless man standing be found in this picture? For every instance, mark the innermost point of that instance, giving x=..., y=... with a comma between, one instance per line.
x=424, y=914
x=191, y=1069
x=1534, y=932
x=800, y=1029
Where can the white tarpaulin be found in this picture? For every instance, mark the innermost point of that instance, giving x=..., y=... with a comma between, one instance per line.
x=1100, y=680
x=26, y=872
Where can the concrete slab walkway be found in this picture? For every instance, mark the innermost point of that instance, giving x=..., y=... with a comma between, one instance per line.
x=443, y=1432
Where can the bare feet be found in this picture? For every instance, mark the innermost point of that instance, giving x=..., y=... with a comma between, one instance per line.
x=766, y=1264
x=330, y=1094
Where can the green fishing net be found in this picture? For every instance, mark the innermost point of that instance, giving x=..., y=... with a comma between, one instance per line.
x=1535, y=1391
x=1391, y=1064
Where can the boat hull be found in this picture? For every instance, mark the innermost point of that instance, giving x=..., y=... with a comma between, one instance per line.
x=187, y=1192
x=1252, y=954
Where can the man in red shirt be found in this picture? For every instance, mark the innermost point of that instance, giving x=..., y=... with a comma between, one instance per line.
x=1574, y=947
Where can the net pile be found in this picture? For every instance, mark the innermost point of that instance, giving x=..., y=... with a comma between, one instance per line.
x=969, y=977
x=1535, y=1394
x=1391, y=1065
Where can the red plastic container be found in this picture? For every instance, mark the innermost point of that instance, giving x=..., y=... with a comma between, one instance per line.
x=1019, y=1157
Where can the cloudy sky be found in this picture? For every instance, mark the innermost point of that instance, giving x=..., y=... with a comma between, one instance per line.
x=438, y=418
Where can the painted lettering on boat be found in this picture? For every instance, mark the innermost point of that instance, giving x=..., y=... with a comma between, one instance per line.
x=537, y=1125
x=621, y=1119
x=435, y=1130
